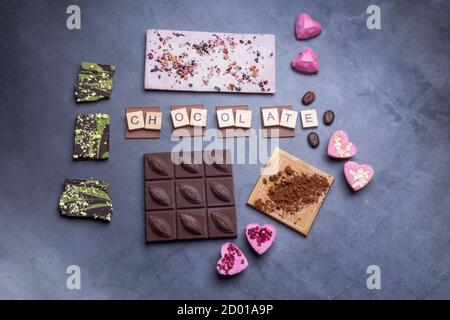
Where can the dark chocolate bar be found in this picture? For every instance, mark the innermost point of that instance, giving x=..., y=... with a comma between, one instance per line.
x=189, y=196
x=91, y=137
x=86, y=199
x=95, y=82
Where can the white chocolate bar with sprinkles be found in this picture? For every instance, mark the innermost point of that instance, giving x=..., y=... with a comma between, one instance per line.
x=204, y=61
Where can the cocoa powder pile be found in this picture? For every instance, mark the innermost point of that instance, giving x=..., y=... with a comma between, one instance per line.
x=291, y=191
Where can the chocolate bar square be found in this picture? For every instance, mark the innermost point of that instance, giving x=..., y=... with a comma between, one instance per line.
x=192, y=224
x=190, y=165
x=158, y=166
x=219, y=192
x=160, y=226
x=221, y=223
x=218, y=163
x=159, y=195
x=190, y=193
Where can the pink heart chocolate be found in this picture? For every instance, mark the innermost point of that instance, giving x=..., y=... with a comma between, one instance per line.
x=307, y=62
x=358, y=175
x=232, y=261
x=260, y=237
x=340, y=147
x=306, y=27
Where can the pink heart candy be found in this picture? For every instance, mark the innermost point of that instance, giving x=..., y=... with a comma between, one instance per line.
x=232, y=261
x=260, y=237
x=307, y=62
x=340, y=147
x=358, y=175
x=306, y=27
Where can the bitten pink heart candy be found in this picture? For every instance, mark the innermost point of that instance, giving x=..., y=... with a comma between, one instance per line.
x=307, y=62
x=306, y=27
x=260, y=237
x=232, y=261
x=340, y=147
x=358, y=175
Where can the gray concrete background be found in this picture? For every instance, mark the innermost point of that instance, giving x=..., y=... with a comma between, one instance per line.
x=389, y=89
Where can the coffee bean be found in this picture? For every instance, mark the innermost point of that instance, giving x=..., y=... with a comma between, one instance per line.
x=308, y=98
x=328, y=117
x=313, y=140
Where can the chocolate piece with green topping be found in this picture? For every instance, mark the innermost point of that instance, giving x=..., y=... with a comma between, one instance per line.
x=91, y=137
x=95, y=82
x=86, y=199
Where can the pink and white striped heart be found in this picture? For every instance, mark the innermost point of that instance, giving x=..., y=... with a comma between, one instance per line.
x=340, y=147
x=358, y=175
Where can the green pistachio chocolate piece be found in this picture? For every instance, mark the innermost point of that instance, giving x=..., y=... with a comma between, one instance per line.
x=95, y=82
x=86, y=199
x=91, y=137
